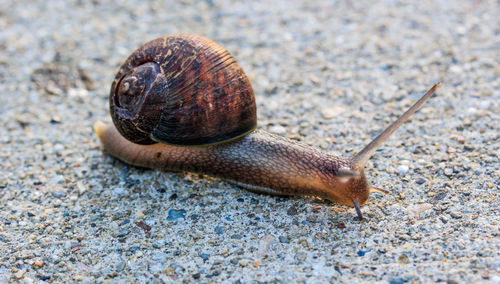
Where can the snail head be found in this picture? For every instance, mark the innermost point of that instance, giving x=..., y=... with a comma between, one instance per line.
x=351, y=185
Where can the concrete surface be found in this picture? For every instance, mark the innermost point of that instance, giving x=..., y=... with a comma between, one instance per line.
x=329, y=73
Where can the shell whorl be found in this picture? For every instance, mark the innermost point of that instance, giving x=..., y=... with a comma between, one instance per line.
x=182, y=90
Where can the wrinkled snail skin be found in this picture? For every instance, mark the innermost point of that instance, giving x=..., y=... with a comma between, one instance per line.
x=180, y=91
x=261, y=162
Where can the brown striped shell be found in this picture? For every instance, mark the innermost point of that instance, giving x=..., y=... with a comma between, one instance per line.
x=182, y=90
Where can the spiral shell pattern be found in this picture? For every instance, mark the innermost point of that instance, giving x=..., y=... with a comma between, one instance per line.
x=182, y=90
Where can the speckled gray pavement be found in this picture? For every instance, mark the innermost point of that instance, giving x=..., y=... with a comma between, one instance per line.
x=329, y=73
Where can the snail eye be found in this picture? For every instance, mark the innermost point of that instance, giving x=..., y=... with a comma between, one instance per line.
x=345, y=179
x=346, y=172
x=345, y=175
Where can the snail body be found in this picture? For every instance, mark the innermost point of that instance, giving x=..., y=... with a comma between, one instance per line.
x=256, y=162
x=182, y=103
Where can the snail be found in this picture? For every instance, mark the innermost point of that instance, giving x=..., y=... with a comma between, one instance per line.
x=182, y=103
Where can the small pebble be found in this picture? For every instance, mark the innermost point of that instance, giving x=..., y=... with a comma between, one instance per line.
x=397, y=281
x=331, y=112
x=143, y=226
x=420, y=208
x=55, y=119
x=219, y=230
x=38, y=263
x=174, y=214
x=314, y=79
x=485, y=274
x=119, y=191
x=292, y=210
x=313, y=218
x=236, y=237
x=323, y=144
x=363, y=252
x=120, y=266
x=266, y=243
x=81, y=187
x=456, y=215
x=403, y=170
x=139, y=214
x=444, y=219
x=78, y=92
x=234, y=261
x=284, y=240
x=19, y=274
x=204, y=256
x=420, y=181
x=440, y=196
x=58, y=148
x=403, y=259
x=300, y=256
x=485, y=104
x=278, y=129
x=448, y=171
x=122, y=233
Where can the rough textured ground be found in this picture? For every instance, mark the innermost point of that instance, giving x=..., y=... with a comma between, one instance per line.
x=330, y=73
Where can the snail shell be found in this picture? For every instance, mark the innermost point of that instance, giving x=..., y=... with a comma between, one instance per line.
x=182, y=90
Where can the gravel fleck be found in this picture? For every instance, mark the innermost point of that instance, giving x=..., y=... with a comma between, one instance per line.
x=19, y=274
x=143, y=226
x=403, y=170
x=174, y=214
x=292, y=210
x=243, y=262
x=278, y=129
x=420, y=181
x=139, y=214
x=397, y=281
x=331, y=112
x=120, y=266
x=38, y=264
x=266, y=243
x=284, y=239
x=363, y=252
x=204, y=256
x=403, y=259
x=219, y=230
x=456, y=215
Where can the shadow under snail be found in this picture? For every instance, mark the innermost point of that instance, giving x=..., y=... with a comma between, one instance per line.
x=182, y=103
